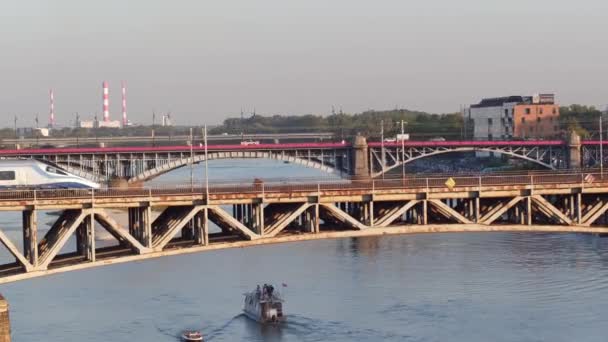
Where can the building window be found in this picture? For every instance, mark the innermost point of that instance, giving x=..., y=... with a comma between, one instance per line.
x=554, y=110
x=551, y=119
x=523, y=120
x=540, y=110
x=7, y=175
x=489, y=136
x=527, y=110
x=489, y=121
x=537, y=119
x=506, y=112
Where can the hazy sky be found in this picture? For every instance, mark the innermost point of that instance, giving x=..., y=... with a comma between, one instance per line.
x=205, y=60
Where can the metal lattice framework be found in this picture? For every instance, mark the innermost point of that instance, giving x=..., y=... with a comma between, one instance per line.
x=590, y=155
x=385, y=159
x=156, y=222
x=144, y=166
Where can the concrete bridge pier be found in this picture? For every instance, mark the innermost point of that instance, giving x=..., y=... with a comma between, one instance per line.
x=360, y=159
x=574, y=151
x=5, y=324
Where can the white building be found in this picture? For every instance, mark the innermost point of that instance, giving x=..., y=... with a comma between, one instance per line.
x=493, y=118
x=109, y=124
x=99, y=124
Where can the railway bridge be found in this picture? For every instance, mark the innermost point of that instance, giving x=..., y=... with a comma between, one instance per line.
x=359, y=159
x=147, y=223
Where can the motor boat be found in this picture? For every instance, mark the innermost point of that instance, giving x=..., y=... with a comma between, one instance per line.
x=264, y=305
x=192, y=336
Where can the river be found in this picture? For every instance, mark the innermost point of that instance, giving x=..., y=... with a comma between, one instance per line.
x=428, y=287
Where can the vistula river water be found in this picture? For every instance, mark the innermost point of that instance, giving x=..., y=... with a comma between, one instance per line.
x=431, y=287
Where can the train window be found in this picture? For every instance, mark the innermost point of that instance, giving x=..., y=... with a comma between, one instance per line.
x=54, y=170
x=7, y=175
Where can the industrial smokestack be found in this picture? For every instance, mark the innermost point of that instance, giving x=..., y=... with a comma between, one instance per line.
x=106, y=102
x=52, y=109
x=124, y=105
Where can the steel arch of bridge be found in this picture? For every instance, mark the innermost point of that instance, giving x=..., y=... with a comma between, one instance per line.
x=143, y=167
x=550, y=157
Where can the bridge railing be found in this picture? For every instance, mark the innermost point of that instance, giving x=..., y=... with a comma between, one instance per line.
x=326, y=185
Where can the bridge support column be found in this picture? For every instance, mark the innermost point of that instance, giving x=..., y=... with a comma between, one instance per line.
x=85, y=238
x=201, y=233
x=5, y=323
x=140, y=224
x=89, y=229
x=528, y=210
x=134, y=223
x=30, y=237
x=188, y=230
x=359, y=159
x=316, y=218
x=574, y=144
x=578, y=208
x=257, y=213
x=425, y=209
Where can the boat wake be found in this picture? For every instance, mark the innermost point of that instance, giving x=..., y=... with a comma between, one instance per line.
x=215, y=332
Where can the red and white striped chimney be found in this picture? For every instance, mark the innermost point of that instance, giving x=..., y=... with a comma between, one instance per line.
x=124, y=105
x=106, y=102
x=52, y=109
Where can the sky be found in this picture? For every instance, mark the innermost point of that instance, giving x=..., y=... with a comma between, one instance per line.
x=206, y=60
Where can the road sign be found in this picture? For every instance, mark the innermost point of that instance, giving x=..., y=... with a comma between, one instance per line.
x=589, y=178
x=450, y=183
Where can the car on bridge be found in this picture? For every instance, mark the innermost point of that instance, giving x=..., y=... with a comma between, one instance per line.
x=249, y=142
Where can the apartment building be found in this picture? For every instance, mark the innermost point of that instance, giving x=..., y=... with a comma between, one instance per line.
x=519, y=117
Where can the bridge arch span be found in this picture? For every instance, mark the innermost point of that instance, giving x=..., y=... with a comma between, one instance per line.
x=184, y=161
x=542, y=158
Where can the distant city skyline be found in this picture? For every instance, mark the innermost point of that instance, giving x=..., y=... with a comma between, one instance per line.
x=205, y=60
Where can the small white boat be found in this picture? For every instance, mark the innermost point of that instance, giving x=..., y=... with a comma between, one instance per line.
x=264, y=305
x=192, y=335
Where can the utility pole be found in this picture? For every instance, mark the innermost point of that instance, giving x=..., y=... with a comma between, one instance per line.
x=601, y=149
x=191, y=161
x=16, y=135
x=402, y=150
x=206, y=169
x=153, y=126
x=382, y=160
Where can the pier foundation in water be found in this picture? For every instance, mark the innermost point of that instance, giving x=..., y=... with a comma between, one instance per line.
x=5, y=323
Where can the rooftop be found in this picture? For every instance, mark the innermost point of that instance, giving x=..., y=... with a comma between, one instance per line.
x=518, y=99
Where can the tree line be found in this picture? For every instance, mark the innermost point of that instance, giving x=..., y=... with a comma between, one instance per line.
x=420, y=125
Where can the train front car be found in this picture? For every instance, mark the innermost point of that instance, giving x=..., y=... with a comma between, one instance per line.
x=33, y=174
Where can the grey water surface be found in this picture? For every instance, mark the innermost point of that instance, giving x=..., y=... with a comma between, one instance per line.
x=433, y=287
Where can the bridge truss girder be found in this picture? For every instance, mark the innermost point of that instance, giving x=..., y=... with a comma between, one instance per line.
x=181, y=225
x=384, y=160
x=138, y=167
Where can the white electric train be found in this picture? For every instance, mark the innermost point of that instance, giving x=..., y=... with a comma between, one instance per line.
x=34, y=174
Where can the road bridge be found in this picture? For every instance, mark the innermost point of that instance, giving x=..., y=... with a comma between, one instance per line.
x=168, y=221
x=153, y=140
x=358, y=159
